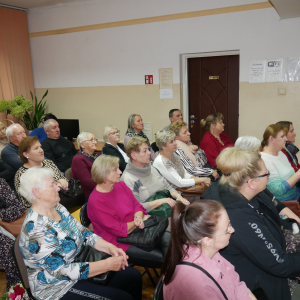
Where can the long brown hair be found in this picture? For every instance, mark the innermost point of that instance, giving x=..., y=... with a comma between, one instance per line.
x=189, y=225
x=271, y=130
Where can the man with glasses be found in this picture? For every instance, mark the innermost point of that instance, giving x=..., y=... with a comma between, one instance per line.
x=15, y=133
x=112, y=147
x=57, y=148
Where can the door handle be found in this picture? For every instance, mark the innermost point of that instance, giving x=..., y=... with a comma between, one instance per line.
x=193, y=117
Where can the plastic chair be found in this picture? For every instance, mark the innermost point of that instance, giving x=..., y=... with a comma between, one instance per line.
x=159, y=290
x=151, y=259
x=22, y=269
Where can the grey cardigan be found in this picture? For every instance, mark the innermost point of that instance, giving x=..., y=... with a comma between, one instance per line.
x=144, y=182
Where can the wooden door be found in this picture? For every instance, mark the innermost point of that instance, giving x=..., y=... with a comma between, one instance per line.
x=213, y=87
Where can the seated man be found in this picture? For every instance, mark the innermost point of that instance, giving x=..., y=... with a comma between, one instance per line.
x=40, y=132
x=56, y=148
x=174, y=115
x=15, y=133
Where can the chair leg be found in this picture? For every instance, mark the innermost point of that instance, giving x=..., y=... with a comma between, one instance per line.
x=150, y=276
x=155, y=272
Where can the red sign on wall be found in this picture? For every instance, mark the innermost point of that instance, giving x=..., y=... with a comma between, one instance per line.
x=148, y=79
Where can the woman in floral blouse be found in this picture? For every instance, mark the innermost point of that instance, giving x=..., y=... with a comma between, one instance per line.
x=51, y=239
x=10, y=210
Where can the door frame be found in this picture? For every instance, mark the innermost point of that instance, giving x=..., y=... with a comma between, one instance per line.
x=184, y=87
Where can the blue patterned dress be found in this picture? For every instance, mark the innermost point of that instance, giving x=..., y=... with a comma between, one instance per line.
x=49, y=248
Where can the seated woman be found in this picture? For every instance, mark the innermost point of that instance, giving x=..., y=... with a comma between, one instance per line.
x=199, y=231
x=290, y=150
x=135, y=128
x=248, y=142
x=252, y=143
x=3, y=139
x=51, y=239
x=214, y=139
x=195, y=162
x=111, y=136
x=283, y=178
x=257, y=249
x=169, y=165
x=32, y=155
x=10, y=210
x=143, y=179
x=82, y=161
x=112, y=208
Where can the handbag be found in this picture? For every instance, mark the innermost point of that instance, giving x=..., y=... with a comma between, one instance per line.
x=293, y=205
x=149, y=237
x=89, y=254
x=197, y=189
x=72, y=198
x=164, y=210
x=14, y=227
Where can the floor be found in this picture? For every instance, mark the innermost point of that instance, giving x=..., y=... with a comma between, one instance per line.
x=148, y=289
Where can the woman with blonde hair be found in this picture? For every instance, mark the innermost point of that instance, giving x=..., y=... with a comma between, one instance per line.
x=258, y=247
x=283, y=178
x=195, y=162
x=214, y=139
x=3, y=139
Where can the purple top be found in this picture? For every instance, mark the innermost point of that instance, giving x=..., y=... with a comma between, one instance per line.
x=110, y=213
x=191, y=283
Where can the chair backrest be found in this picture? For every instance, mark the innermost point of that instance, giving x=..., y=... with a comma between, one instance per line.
x=159, y=290
x=68, y=174
x=84, y=219
x=18, y=257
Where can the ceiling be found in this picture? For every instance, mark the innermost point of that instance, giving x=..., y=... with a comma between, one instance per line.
x=285, y=8
x=34, y=3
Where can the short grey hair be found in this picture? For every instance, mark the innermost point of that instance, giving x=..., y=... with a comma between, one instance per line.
x=102, y=167
x=247, y=142
x=34, y=177
x=107, y=130
x=10, y=130
x=82, y=137
x=163, y=136
x=131, y=122
x=47, y=123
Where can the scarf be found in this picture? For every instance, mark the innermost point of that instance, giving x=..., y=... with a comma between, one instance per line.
x=174, y=162
x=141, y=134
x=188, y=152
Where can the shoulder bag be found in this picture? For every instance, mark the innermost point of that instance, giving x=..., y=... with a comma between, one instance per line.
x=89, y=254
x=149, y=237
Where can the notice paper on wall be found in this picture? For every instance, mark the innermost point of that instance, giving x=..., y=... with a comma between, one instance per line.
x=274, y=70
x=257, y=71
x=166, y=83
x=148, y=130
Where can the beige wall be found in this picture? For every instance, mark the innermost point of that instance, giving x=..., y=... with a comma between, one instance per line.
x=95, y=107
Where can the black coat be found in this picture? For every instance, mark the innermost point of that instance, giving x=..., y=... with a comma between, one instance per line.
x=111, y=150
x=257, y=248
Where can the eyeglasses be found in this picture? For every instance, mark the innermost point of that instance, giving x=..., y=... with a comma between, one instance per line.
x=91, y=140
x=229, y=231
x=115, y=133
x=264, y=175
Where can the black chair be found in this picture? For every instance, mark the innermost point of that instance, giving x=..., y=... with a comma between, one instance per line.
x=22, y=269
x=154, y=147
x=159, y=290
x=153, y=259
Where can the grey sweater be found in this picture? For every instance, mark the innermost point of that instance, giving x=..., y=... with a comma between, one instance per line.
x=144, y=182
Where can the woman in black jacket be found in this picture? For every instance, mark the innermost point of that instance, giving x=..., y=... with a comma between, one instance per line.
x=111, y=136
x=257, y=249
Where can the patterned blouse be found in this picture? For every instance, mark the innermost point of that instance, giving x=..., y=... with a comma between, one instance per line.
x=49, y=249
x=47, y=163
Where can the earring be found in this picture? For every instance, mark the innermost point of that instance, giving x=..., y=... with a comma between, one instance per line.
x=27, y=157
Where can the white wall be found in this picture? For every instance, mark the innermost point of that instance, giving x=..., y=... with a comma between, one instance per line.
x=123, y=55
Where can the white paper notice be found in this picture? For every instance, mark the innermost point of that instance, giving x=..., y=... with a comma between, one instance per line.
x=257, y=71
x=148, y=130
x=166, y=78
x=166, y=93
x=274, y=70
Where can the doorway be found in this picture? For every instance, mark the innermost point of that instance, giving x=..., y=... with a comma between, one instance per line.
x=210, y=84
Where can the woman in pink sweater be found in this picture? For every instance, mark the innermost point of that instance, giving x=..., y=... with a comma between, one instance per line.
x=113, y=209
x=199, y=231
